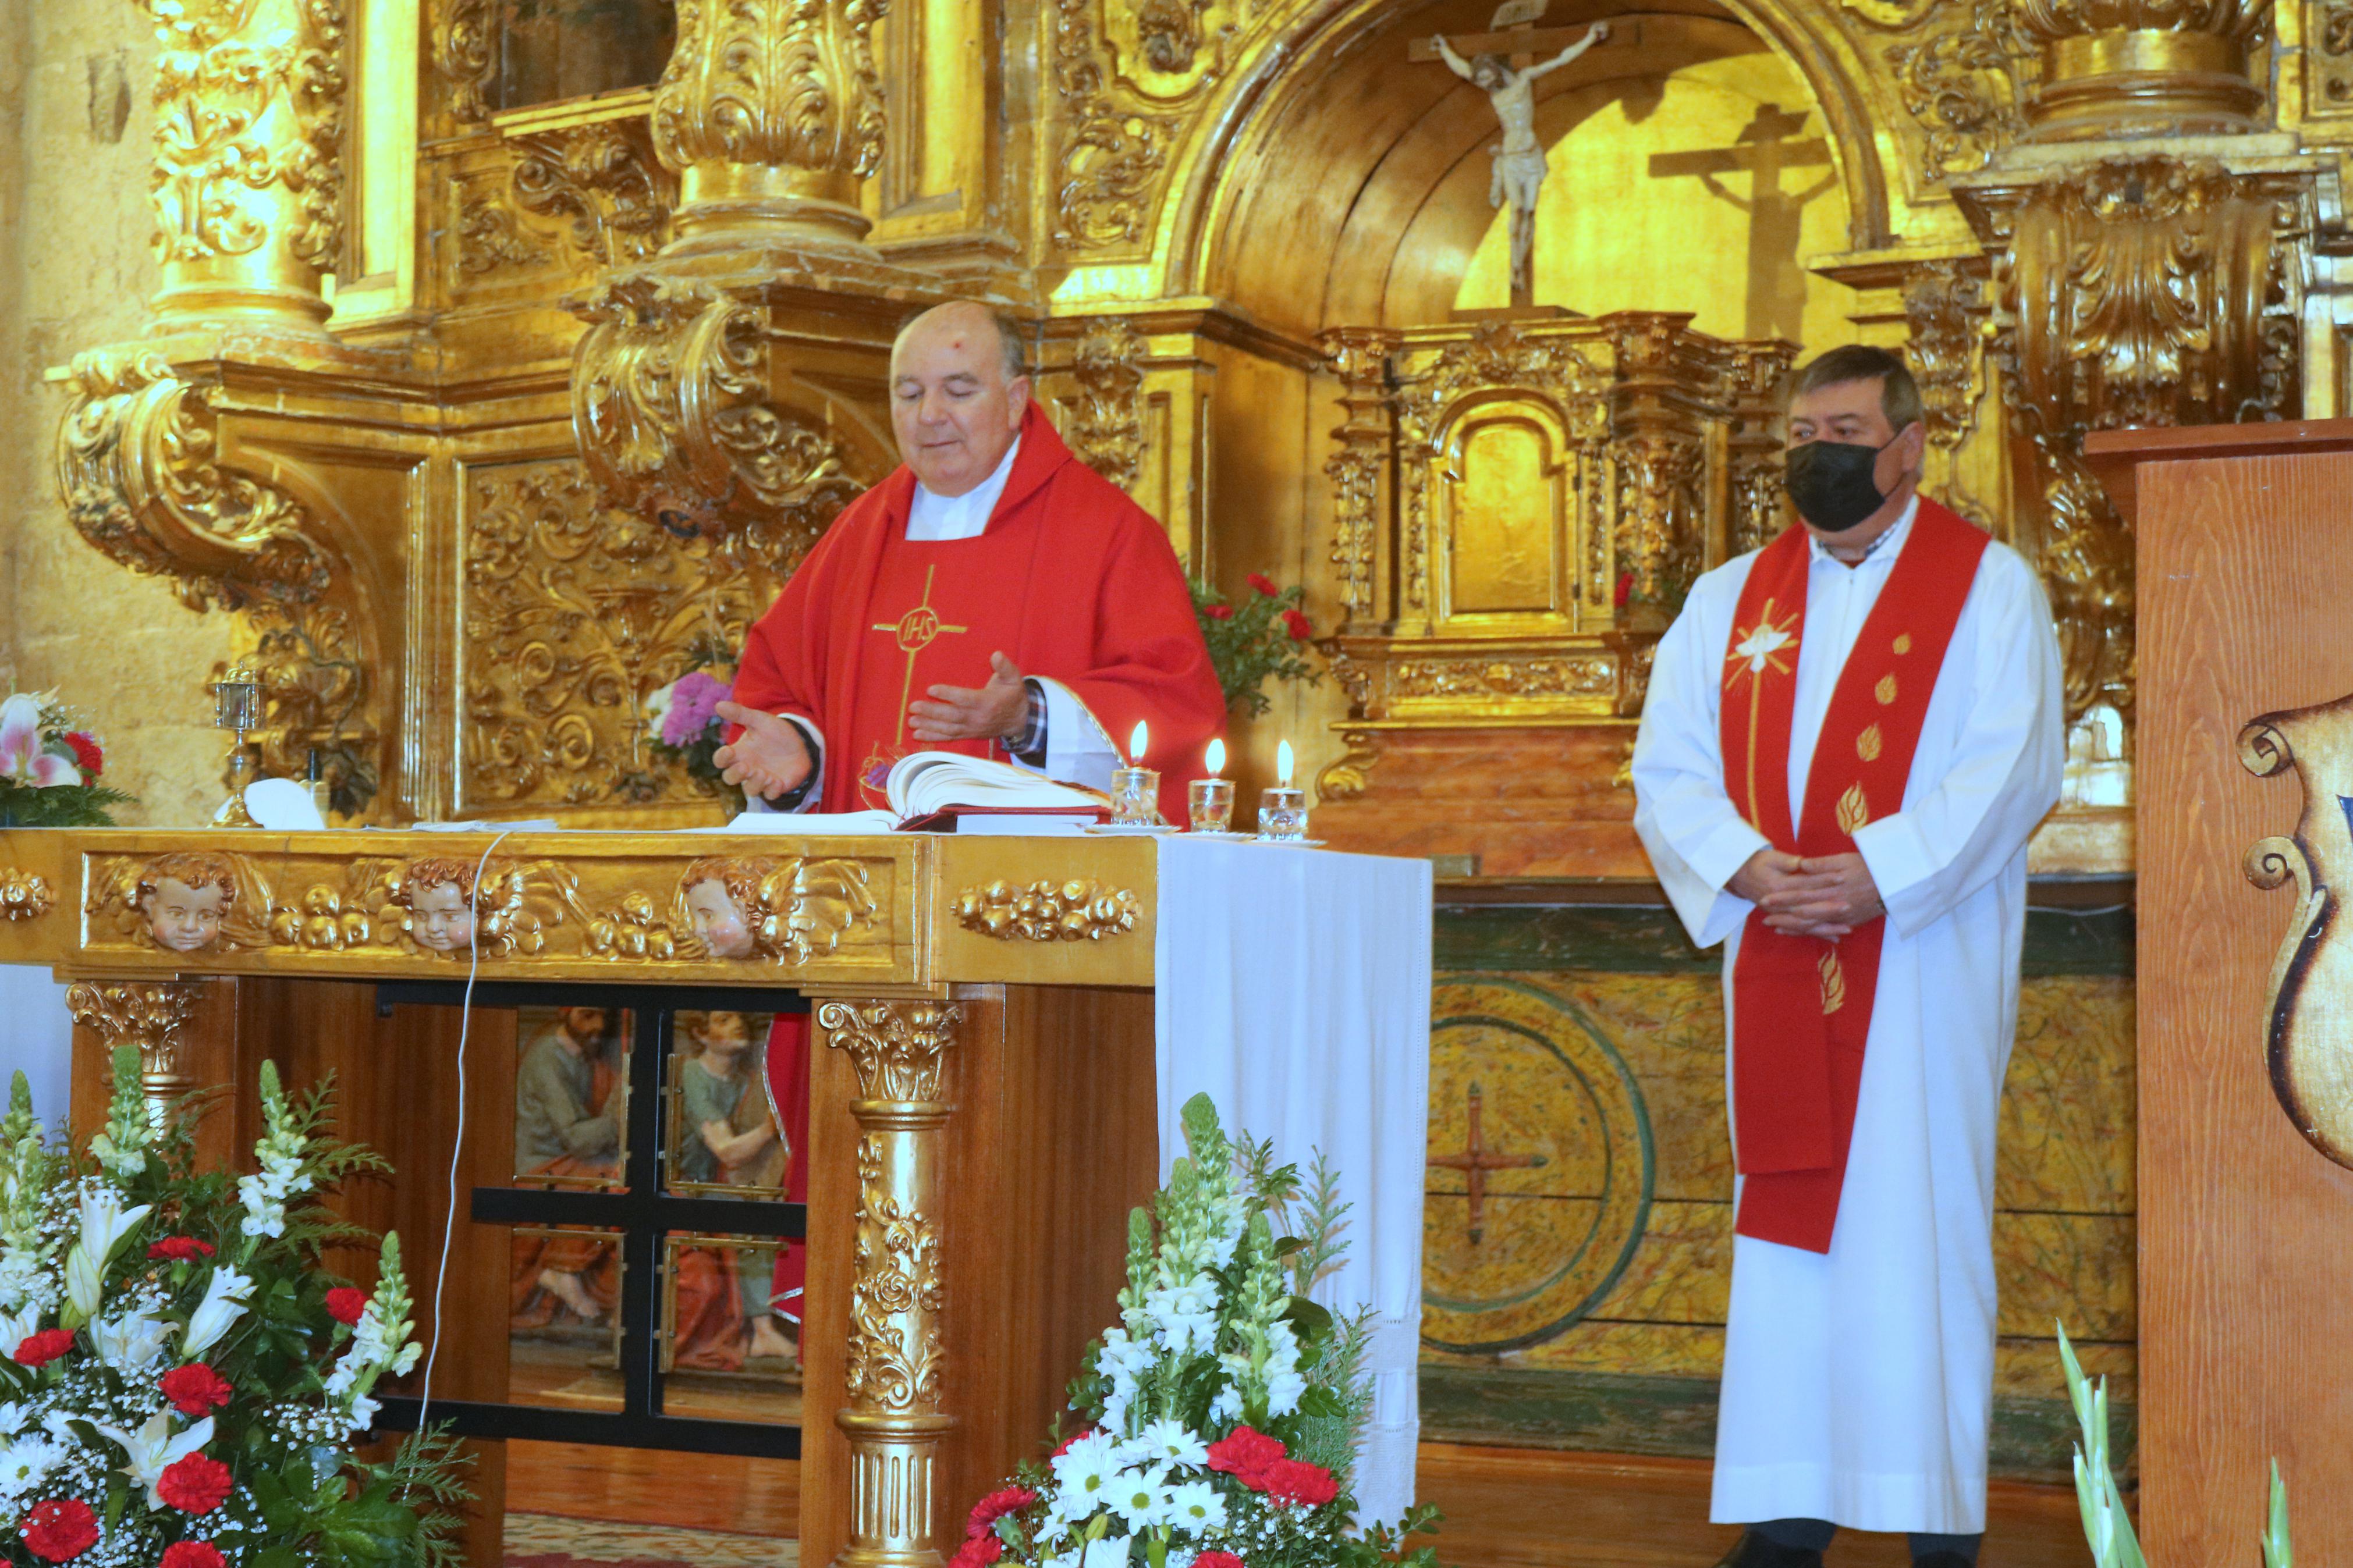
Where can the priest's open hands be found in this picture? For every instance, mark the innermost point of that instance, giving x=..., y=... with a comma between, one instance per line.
x=1826, y=896
x=997, y=712
x=768, y=759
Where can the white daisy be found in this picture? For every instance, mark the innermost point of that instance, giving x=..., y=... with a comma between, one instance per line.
x=1196, y=1506
x=1164, y=1443
x=1140, y=1497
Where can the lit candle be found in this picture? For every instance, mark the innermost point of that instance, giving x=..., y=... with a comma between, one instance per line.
x=1282, y=810
x=1212, y=798
x=1135, y=789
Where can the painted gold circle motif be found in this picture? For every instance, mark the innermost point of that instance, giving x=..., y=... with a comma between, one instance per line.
x=918, y=629
x=1535, y=1115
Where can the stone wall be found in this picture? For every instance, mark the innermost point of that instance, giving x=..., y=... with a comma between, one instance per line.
x=74, y=273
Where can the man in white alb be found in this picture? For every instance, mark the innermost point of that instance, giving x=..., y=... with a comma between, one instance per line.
x=1849, y=737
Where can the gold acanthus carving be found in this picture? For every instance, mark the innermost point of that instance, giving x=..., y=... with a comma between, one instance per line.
x=602, y=182
x=575, y=614
x=771, y=113
x=462, y=56
x=1661, y=512
x=1945, y=304
x=151, y=1018
x=1113, y=152
x=1079, y=910
x=1596, y=675
x=2135, y=291
x=24, y=895
x=488, y=237
x=248, y=177
x=672, y=407
x=800, y=911
x=1352, y=775
x=1359, y=356
x=896, y=1346
x=1105, y=423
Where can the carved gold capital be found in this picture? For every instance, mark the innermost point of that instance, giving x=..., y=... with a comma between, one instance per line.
x=1080, y=910
x=248, y=179
x=893, y=1417
x=671, y=402
x=24, y=895
x=151, y=1017
x=770, y=113
x=2128, y=67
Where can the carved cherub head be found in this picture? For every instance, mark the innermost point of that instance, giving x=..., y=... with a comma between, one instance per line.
x=438, y=895
x=722, y=894
x=183, y=899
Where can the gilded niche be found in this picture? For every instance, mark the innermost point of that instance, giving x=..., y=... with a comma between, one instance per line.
x=574, y=614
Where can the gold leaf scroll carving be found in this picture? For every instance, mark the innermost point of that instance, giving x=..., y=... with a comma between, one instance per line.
x=1079, y=910
x=1105, y=423
x=602, y=181
x=462, y=56
x=24, y=895
x=574, y=614
x=2309, y=1022
x=895, y=1350
x=672, y=400
x=1963, y=72
x=1113, y=152
x=151, y=1018
x=1755, y=376
x=1360, y=357
x=791, y=911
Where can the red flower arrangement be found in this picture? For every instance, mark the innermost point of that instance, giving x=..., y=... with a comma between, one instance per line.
x=345, y=1303
x=1218, y=611
x=1247, y=1455
x=193, y=1554
x=197, y=1484
x=1257, y=638
x=978, y=1552
x=1296, y=623
x=180, y=1249
x=40, y=1349
x=996, y=1506
x=59, y=1530
x=1264, y=584
x=195, y=1389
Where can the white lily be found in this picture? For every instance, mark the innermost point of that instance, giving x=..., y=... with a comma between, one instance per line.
x=105, y=1221
x=85, y=1285
x=21, y=757
x=129, y=1345
x=153, y=1449
x=15, y=1328
x=224, y=1304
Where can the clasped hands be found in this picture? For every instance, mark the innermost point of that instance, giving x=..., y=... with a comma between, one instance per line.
x=770, y=758
x=1825, y=896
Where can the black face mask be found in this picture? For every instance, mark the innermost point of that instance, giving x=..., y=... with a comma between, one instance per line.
x=1831, y=485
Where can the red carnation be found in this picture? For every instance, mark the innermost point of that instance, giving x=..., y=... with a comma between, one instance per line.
x=1247, y=1455
x=195, y=1485
x=1263, y=583
x=996, y=1506
x=1207, y=1559
x=195, y=1389
x=1079, y=1436
x=87, y=757
x=59, y=1530
x=1298, y=626
x=192, y=1555
x=345, y=1303
x=977, y=1553
x=1218, y=611
x=1296, y=1480
x=1625, y=588
x=180, y=1249
x=40, y=1349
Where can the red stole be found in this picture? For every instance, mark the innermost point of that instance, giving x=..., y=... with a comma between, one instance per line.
x=1801, y=1006
x=1072, y=580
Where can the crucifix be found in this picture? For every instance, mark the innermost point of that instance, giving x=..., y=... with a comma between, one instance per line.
x=1767, y=148
x=1475, y=1160
x=1502, y=63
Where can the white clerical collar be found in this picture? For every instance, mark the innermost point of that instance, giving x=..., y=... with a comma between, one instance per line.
x=934, y=517
x=1889, y=544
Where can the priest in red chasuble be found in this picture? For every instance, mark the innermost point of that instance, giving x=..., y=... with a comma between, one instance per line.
x=1849, y=737
x=994, y=596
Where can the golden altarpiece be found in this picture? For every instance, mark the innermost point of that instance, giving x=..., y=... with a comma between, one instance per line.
x=510, y=352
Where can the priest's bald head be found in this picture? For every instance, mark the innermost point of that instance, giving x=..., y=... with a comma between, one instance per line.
x=958, y=390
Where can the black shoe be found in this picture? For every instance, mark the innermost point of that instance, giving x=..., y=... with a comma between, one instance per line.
x=1943, y=1560
x=1754, y=1551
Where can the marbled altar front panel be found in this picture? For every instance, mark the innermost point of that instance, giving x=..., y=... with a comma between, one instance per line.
x=1579, y=1302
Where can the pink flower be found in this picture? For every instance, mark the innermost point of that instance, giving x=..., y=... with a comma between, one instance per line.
x=693, y=706
x=21, y=757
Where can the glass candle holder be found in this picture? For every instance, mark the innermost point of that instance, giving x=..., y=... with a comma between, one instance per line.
x=1135, y=797
x=1212, y=803
x=1283, y=815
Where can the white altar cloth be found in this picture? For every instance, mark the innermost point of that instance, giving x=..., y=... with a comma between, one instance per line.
x=1294, y=988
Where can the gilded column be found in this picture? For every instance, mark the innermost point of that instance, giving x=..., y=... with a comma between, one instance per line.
x=247, y=181
x=894, y=1417
x=2135, y=67
x=152, y=1017
x=771, y=114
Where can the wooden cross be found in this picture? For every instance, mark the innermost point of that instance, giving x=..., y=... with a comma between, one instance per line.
x=1475, y=1160
x=1765, y=150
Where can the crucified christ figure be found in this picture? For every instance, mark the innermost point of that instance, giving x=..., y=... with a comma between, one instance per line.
x=1520, y=158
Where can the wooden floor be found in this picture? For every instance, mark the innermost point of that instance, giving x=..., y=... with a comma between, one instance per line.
x=1506, y=1508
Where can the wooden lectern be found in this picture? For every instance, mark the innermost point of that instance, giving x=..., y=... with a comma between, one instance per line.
x=2246, y=587
x=983, y=1106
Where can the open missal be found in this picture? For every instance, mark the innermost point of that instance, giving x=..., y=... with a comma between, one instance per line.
x=947, y=792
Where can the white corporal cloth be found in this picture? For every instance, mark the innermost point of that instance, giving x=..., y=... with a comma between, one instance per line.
x=1294, y=989
x=1858, y=1386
